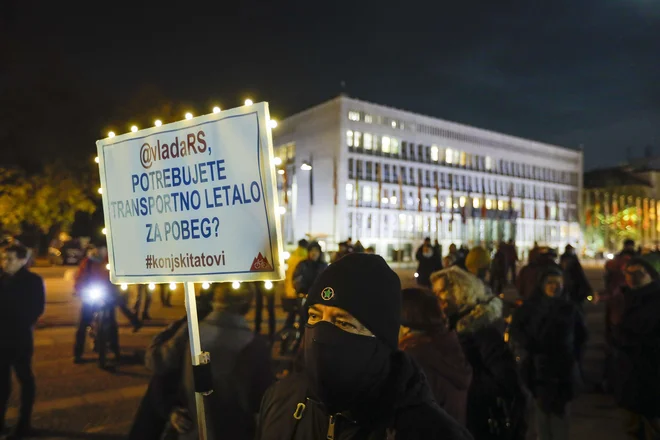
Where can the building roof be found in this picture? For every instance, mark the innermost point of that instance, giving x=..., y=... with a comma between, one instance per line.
x=615, y=176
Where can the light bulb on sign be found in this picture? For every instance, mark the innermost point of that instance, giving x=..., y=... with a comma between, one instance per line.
x=96, y=159
x=281, y=210
x=104, y=231
x=107, y=266
x=286, y=255
x=248, y=102
x=152, y=286
x=189, y=115
x=280, y=172
x=268, y=285
x=172, y=286
x=272, y=123
x=216, y=109
x=235, y=285
x=111, y=134
x=100, y=190
x=134, y=129
x=277, y=161
x=158, y=123
x=205, y=286
x=124, y=287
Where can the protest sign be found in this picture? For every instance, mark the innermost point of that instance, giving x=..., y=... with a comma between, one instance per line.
x=193, y=201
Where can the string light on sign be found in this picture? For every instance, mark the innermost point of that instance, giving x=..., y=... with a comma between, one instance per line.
x=158, y=122
x=96, y=159
x=248, y=102
x=111, y=134
x=134, y=129
x=272, y=123
x=216, y=109
x=189, y=116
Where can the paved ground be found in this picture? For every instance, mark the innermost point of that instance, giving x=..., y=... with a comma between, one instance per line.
x=83, y=402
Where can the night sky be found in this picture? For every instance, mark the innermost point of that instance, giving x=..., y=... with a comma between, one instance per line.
x=569, y=72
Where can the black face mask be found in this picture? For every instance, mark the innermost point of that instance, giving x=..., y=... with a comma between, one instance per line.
x=344, y=369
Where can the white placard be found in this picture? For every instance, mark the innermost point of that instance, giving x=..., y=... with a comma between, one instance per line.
x=193, y=200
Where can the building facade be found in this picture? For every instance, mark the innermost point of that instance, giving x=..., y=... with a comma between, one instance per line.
x=620, y=203
x=389, y=178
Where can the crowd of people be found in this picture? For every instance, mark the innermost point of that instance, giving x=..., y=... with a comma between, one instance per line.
x=448, y=359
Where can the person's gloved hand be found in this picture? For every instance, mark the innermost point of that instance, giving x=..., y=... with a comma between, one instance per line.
x=181, y=421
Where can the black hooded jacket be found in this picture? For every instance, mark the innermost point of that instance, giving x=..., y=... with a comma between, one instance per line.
x=405, y=411
x=637, y=339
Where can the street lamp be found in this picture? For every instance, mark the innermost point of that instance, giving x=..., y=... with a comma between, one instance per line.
x=307, y=166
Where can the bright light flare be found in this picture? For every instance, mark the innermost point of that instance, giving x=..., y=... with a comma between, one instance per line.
x=590, y=298
x=235, y=285
x=281, y=210
x=172, y=286
x=248, y=102
x=268, y=285
x=124, y=287
x=134, y=129
x=158, y=122
x=306, y=167
x=286, y=255
x=107, y=266
x=96, y=159
x=277, y=161
x=216, y=109
x=610, y=256
x=189, y=115
x=272, y=123
x=205, y=285
x=104, y=231
x=100, y=190
x=111, y=134
x=152, y=286
x=280, y=172
x=416, y=275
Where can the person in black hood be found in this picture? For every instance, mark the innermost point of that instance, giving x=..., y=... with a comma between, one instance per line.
x=636, y=338
x=550, y=333
x=428, y=262
x=576, y=284
x=355, y=383
x=307, y=271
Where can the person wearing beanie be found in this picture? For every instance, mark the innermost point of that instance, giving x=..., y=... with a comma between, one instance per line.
x=635, y=338
x=355, y=383
x=477, y=262
x=549, y=332
x=476, y=315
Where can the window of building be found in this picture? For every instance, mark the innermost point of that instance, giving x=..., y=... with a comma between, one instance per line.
x=385, y=145
x=420, y=153
x=434, y=153
x=367, y=193
x=403, y=175
x=462, y=159
x=427, y=182
x=412, y=176
x=393, y=199
x=395, y=173
x=354, y=116
x=457, y=156
x=404, y=149
x=394, y=144
x=369, y=220
x=448, y=202
x=358, y=168
x=489, y=163
x=349, y=138
x=369, y=174
x=368, y=141
x=368, y=118
x=357, y=137
x=411, y=199
x=449, y=156
x=349, y=191
x=386, y=172
x=434, y=202
x=350, y=167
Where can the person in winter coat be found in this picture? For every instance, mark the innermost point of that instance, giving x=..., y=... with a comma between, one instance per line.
x=164, y=391
x=425, y=336
x=240, y=365
x=539, y=259
x=290, y=298
x=428, y=262
x=355, y=383
x=496, y=400
x=550, y=331
x=511, y=259
x=576, y=285
x=637, y=341
x=499, y=269
x=307, y=271
x=22, y=302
